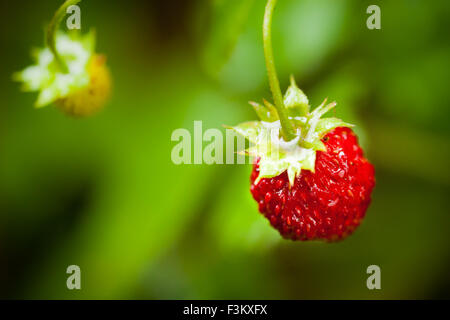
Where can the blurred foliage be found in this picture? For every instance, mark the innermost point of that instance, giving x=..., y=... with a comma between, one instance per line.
x=103, y=193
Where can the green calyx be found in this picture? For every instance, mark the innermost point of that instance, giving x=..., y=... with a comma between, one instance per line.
x=289, y=135
x=268, y=144
x=61, y=67
x=46, y=76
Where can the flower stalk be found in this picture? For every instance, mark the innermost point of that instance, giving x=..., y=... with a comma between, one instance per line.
x=287, y=129
x=53, y=28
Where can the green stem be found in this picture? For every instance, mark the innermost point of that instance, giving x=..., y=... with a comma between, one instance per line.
x=287, y=128
x=53, y=28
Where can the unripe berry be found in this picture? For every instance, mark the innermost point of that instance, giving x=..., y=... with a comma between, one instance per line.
x=91, y=99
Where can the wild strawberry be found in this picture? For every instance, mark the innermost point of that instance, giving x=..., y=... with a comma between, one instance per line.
x=326, y=204
x=310, y=178
x=68, y=72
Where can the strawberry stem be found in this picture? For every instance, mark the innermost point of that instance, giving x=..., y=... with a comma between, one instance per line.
x=287, y=129
x=53, y=27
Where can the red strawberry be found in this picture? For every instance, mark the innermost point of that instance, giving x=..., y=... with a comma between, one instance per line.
x=311, y=179
x=328, y=204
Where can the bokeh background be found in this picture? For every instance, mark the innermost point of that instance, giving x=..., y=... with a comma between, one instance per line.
x=102, y=193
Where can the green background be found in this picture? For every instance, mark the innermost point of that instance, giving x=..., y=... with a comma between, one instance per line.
x=102, y=193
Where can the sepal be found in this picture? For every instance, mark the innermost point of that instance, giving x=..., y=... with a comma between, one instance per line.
x=327, y=124
x=47, y=77
x=249, y=130
x=276, y=155
x=296, y=101
x=263, y=112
